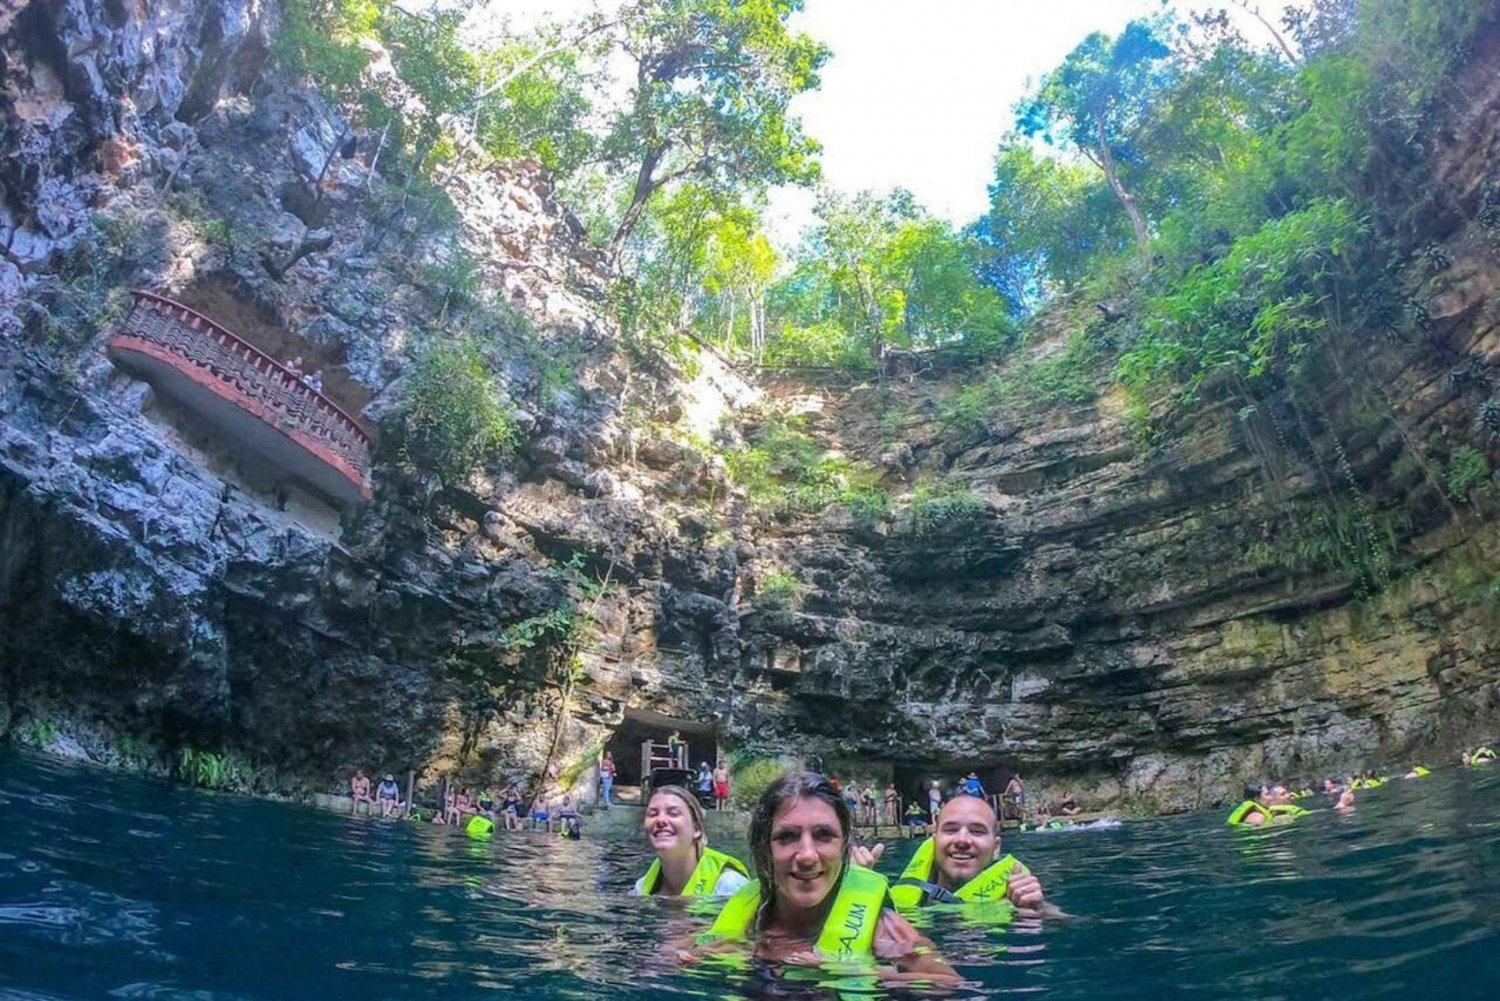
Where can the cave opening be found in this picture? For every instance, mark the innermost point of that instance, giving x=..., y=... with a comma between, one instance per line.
x=641, y=726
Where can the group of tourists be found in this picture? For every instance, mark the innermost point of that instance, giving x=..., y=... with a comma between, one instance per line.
x=479, y=813
x=815, y=895
x=312, y=380
x=1273, y=802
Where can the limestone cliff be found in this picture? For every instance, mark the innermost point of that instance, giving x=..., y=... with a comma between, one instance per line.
x=1100, y=619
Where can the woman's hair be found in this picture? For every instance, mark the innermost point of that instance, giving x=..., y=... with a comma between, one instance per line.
x=694, y=809
x=790, y=787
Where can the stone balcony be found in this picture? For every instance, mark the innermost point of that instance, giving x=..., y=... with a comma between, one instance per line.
x=246, y=395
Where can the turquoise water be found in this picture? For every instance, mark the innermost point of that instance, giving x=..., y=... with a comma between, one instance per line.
x=118, y=887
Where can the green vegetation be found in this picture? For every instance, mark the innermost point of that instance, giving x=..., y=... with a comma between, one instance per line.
x=780, y=589
x=452, y=419
x=751, y=777
x=209, y=770
x=935, y=506
x=784, y=471
x=1061, y=378
x=1467, y=469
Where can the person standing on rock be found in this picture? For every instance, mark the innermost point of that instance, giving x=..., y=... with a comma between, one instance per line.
x=606, y=777
x=1015, y=795
x=721, y=786
x=934, y=801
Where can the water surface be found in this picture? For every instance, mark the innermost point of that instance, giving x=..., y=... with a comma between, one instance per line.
x=120, y=887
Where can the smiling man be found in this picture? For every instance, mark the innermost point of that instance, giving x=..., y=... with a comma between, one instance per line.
x=961, y=863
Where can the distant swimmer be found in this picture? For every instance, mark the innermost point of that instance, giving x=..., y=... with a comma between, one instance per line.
x=961, y=862
x=1479, y=756
x=810, y=905
x=1346, y=802
x=1265, y=803
x=1417, y=771
x=684, y=865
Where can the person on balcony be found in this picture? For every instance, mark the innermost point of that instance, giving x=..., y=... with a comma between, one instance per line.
x=294, y=366
x=314, y=380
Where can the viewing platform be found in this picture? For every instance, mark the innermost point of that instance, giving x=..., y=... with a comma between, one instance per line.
x=246, y=395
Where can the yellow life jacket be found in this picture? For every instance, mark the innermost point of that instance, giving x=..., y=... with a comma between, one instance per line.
x=848, y=933
x=1249, y=806
x=1481, y=754
x=705, y=877
x=1419, y=771
x=990, y=884
x=479, y=827
x=1287, y=810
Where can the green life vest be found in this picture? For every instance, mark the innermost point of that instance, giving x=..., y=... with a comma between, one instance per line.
x=1419, y=771
x=479, y=827
x=848, y=933
x=911, y=890
x=1249, y=806
x=1481, y=754
x=705, y=875
x=1286, y=810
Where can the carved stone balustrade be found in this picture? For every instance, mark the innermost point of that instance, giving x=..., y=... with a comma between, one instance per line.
x=248, y=396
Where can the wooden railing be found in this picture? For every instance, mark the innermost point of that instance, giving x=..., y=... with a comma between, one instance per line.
x=281, y=395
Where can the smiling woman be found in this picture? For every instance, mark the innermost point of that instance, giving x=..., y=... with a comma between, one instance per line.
x=684, y=865
x=810, y=905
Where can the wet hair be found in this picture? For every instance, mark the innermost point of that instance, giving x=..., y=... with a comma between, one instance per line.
x=1254, y=789
x=694, y=809
x=789, y=788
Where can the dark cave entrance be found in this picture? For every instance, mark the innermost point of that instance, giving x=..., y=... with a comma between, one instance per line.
x=642, y=725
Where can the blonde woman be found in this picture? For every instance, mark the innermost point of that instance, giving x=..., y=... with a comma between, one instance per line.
x=684, y=865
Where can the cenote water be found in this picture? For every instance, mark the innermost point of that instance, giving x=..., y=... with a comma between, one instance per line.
x=123, y=887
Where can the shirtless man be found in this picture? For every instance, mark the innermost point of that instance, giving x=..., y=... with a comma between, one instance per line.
x=721, y=786
x=359, y=791
x=965, y=847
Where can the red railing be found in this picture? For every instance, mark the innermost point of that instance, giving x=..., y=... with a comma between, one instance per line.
x=276, y=394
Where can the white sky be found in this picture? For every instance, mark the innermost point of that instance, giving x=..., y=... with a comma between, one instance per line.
x=919, y=92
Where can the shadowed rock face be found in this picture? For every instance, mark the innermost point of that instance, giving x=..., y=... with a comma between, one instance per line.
x=1101, y=620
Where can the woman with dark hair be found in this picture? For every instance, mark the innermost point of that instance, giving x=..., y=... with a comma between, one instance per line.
x=684, y=865
x=810, y=905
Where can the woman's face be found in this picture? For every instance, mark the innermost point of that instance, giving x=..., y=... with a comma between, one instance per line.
x=807, y=852
x=669, y=825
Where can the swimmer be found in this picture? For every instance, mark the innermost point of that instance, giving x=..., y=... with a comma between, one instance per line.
x=685, y=866
x=1346, y=802
x=1479, y=756
x=961, y=862
x=1265, y=802
x=810, y=905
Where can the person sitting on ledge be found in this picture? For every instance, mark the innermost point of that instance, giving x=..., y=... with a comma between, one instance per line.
x=294, y=366
x=388, y=795
x=961, y=862
x=915, y=815
x=1068, y=805
x=359, y=792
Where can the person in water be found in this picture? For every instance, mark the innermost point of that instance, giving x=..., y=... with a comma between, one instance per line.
x=961, y=862
x=810, y=904
x=685, y=866
x=1265, y=803
x=1479, y=756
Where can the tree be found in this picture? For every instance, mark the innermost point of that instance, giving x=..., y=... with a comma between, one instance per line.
x=1049, y=223
x=713, y=83
x=1099, y=99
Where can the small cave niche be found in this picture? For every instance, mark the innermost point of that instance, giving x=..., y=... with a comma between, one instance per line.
x=640, y=726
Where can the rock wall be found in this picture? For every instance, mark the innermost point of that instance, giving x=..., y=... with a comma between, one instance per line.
x=1102, y=621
